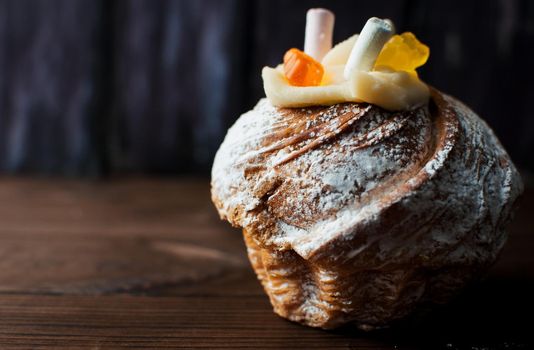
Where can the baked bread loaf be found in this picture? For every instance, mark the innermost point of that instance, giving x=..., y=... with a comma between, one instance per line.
x=352, y=213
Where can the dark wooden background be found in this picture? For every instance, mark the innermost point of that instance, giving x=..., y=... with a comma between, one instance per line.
x=137, y=86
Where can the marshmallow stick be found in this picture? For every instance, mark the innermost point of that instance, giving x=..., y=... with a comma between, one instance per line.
x=319, y=29
x=374, y=35
x=391, y=24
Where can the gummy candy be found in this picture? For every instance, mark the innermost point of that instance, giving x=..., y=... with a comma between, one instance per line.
x=301, y=69
x=403, y=53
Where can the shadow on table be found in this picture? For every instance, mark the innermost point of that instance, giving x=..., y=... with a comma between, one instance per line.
x=495, y=314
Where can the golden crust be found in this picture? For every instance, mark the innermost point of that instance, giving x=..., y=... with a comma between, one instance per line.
x=354, y=214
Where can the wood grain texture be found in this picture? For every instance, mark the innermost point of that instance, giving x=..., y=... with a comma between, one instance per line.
x=178, y=66
x=145, y=263
x=50, y=86
x=96, y=238
x=115, y=86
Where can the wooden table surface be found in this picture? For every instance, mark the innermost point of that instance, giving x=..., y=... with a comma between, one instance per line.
x=146, y=263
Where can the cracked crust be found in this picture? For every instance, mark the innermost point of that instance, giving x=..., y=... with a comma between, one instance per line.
x=354, y=214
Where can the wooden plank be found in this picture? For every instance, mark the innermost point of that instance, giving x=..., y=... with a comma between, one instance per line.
x=111, y=207
x=476, y=320
x=151, y=86
x=478, y=51
x=146, y=322
x=94, y=238
x=50, y=86
x=147, y=263
x=178, y=82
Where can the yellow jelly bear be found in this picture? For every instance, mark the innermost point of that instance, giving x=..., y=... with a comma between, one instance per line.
x=403, y=53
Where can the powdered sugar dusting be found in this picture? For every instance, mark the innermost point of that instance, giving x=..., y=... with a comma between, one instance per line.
x=319, y=182
x=404, y=207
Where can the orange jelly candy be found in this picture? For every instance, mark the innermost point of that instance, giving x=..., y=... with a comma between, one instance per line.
x=301, y=69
